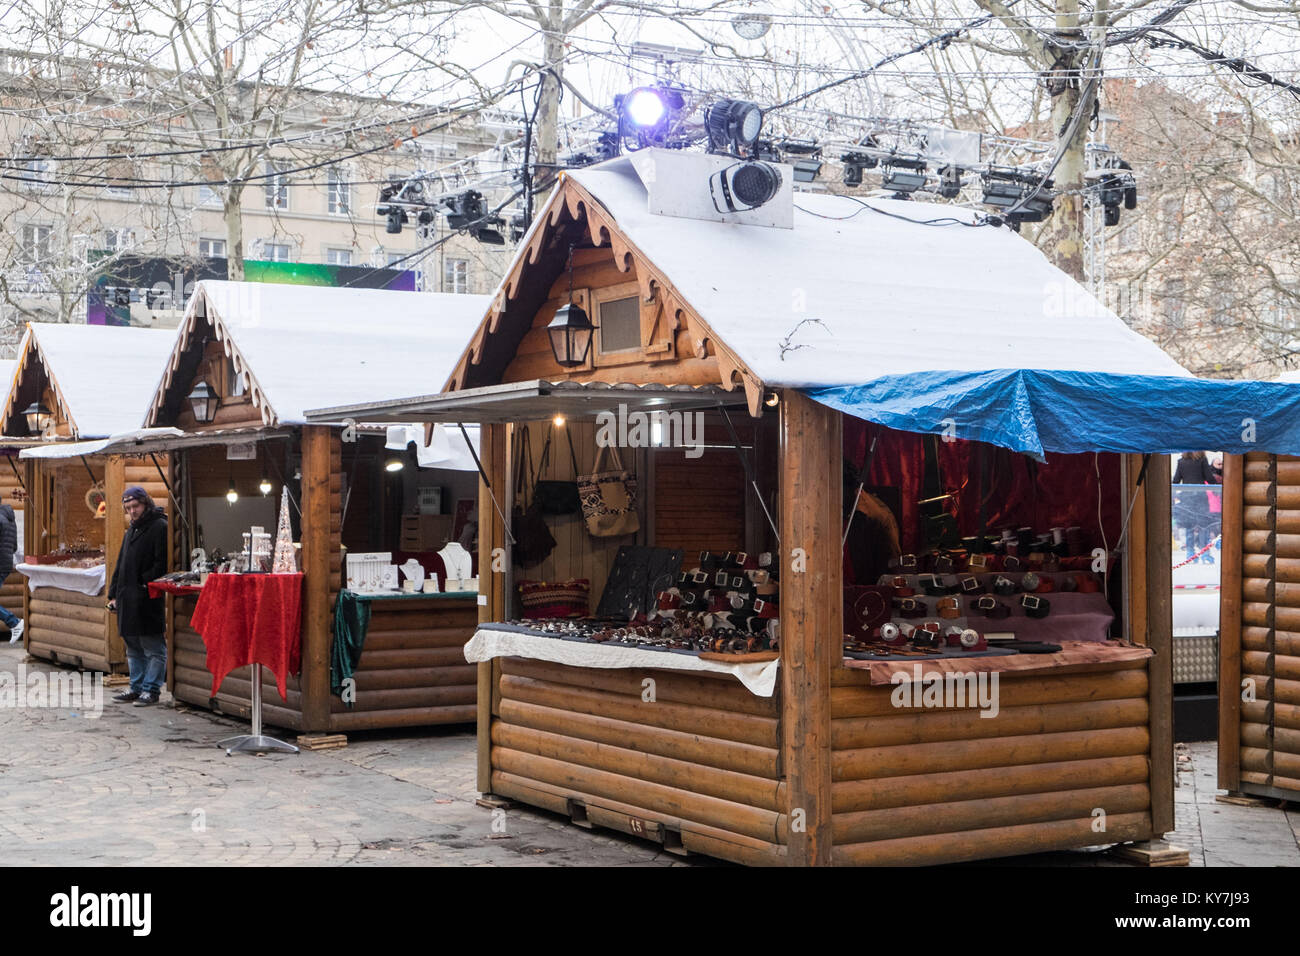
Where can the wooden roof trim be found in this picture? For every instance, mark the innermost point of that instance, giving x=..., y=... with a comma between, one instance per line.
x=32, y=348
x=184, y=342
x=571, y=200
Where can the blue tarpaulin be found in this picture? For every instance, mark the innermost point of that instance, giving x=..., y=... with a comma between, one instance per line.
x=1036, y=412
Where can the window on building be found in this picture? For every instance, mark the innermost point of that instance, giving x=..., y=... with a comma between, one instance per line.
x=37, y=169
x=208, y=196
x=212, y=248
x=37, y=242
x=340, y=191
x=398, y=260
x=119, y=240
x=275, y=251
x=338, y=257
x=455, y=275
x=277, y=186
x=121, y=170
x=620, y=325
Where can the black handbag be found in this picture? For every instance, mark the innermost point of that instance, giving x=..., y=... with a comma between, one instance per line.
x=533, y=539
x=557, y=497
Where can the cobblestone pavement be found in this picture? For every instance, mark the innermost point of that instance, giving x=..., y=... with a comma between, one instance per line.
x=140, y=786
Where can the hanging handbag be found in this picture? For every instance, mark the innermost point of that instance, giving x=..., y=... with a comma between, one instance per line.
x=557, y=497
x=609, y=497
x=533, y=540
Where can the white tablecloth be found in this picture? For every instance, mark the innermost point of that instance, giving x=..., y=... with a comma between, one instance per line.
x=759, y=678
x=83, y=580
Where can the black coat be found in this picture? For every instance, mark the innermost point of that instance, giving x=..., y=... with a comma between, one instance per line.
x=8, y=540
x=142, y=559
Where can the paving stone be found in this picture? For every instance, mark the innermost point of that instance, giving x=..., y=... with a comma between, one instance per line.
x=150, y=786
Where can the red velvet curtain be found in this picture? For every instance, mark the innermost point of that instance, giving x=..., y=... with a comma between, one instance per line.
x=1058, y=493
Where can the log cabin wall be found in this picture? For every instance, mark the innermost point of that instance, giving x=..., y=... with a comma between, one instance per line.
x=929, y=785
x=13, y=493
x=1259, y=696
x=697, y=768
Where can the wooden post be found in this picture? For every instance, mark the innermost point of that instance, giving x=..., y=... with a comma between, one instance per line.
x=491, y=582
x=114, y=529
x=811, y=617
x=31, y=532
x=1230, y=624
x=1159, y=605
x=316, y=635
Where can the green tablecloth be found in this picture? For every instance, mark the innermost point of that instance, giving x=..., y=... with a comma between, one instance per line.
x=352, y=618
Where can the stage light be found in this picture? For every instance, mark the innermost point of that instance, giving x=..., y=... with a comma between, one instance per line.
x=743, y=186
x=806, y=170
x=645, y=107
x=854, y=164
x=950, y=182
x=733, y=125
x=902, y=177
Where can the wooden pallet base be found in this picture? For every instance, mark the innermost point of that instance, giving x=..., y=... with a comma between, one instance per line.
x=116, y=680
x=1243, y=800
x=322, y=741
x=1152, y=853
x=495, y=803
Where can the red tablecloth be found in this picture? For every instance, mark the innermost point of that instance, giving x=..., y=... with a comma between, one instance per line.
x=251, y=619
x=158, y=588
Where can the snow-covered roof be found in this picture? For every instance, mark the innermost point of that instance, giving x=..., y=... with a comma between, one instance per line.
x=313, y=346
x=103, y=375
x=876, y=292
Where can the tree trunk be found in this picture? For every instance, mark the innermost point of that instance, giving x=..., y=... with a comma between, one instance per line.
x=547, y=131
x=233, y=211
x=1065, y=230
x=1065, y=239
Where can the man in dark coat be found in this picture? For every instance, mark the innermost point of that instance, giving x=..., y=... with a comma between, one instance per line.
x=141, y=620
x=8, y=545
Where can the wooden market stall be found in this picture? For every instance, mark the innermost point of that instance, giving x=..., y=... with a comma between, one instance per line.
x=13, y=493
x=1259, y=632
x=75, y=384
x=822, y=763
x=263, y=353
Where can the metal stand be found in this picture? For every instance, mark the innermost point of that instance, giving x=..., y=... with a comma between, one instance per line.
x=256, y=743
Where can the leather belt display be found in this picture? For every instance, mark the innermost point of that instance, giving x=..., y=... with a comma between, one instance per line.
x=970, y=584
x=949, y=607
x=1003, y=585
x=1030, y=582
x=1035, y=606
x=991, y=607
x=911, y=607
x=902, y=588
x=972, y=640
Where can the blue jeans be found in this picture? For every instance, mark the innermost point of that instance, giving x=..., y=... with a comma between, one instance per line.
x=8, y=617
x=147, y=657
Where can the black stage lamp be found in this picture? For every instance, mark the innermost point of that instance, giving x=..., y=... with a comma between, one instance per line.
x=733, y=125
x=743, y=186
x=902, y=177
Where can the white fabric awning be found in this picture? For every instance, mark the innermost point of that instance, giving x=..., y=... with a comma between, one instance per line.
x=447, y=451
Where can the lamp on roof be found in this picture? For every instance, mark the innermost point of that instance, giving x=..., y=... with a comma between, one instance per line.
x=203, y=402
x=38, y=417
x=570, y=331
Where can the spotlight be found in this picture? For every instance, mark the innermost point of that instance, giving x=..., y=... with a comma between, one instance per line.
x=854, y=164
x=1005, y=189
x=733, y=125
x=394, y=464
x=645, y=107
x=468, y=211
x=806, y=170
x=772, y=400
x=902, y=177
x=950, y=182
x=743, y=186
x=395, y=219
